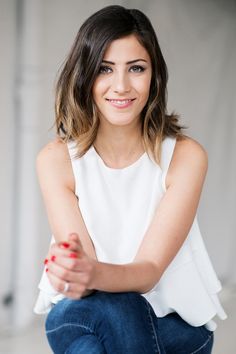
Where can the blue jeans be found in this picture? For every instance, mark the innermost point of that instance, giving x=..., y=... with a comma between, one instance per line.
x=121, y=323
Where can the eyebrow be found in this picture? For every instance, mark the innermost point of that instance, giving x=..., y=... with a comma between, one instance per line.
x=128, y=62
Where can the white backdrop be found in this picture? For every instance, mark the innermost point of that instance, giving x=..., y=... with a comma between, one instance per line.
x=198, y=42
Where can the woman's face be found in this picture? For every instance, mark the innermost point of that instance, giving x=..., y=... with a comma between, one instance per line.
x=121, y=89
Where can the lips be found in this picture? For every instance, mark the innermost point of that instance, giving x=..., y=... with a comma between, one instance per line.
x=121, y=102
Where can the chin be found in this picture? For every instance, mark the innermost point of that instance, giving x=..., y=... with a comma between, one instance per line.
x=121, y=123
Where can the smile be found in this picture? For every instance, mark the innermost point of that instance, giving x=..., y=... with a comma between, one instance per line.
x=121, y=103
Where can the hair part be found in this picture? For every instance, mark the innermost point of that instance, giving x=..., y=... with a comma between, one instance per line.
x=76, y=113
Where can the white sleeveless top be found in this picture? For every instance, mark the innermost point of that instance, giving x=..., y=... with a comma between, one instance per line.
x=117, y=206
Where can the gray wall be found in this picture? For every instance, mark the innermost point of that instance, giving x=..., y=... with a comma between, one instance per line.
x=7, y=48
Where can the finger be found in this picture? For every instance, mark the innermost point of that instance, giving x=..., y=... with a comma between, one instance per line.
x=70, y=264
x=58, y=250
x=58, y=278
x=76, y=270
x=75, y=292
x=57, y=283
x=62, y=249
x=70, y=245
x=46, y=260
x=74, y=237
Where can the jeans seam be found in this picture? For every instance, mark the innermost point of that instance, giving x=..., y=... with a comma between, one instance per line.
x=207, y=341
x=153, y=327
x=69, y=324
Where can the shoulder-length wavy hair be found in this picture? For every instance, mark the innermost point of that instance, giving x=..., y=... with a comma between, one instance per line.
x=76, y=113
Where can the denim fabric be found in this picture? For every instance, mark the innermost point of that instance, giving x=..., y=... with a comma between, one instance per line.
x=121, y=323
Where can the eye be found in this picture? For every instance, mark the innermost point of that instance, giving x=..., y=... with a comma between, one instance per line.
x=104, y=69
x=137, y=68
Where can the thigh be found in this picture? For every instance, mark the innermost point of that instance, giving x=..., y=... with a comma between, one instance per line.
x=177, y=336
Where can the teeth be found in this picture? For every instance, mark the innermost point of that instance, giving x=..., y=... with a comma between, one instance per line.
x=123, y=102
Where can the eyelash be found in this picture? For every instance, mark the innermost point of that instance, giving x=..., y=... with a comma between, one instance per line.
x=103, y=69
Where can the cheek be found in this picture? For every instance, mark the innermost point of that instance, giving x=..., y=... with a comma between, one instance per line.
x=143, y=87
x=99, y=88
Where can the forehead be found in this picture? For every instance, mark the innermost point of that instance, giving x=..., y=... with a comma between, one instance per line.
x=125, y=49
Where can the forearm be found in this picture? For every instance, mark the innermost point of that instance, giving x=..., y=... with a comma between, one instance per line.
x=138, y=276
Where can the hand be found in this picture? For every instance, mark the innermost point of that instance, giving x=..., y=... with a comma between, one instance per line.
x=69, y=264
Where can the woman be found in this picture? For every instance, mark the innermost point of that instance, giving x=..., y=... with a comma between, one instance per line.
x=127, y=271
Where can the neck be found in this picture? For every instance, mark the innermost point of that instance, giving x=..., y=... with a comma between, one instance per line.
x=119, y=146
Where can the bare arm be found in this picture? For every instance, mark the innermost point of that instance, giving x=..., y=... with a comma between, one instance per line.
x=169, y=227
x=57, y=186
x=163, y=239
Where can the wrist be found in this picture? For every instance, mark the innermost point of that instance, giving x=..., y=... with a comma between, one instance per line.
x=93, y=275
x=87, y=292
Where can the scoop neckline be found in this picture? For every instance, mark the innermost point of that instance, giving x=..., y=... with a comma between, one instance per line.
x=112, y=169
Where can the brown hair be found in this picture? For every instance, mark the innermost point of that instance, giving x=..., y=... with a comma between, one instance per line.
x=76, y=114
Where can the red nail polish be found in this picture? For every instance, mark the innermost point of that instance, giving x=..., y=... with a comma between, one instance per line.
x=65, y=245
x=45, y=261
x=46, y=270
x=73, y=255
x=53, y=258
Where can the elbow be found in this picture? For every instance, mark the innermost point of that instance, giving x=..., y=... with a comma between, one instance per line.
x=152, y=278
x=149, y=287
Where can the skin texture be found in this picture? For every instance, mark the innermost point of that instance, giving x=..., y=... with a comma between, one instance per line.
x=119, y=130
x=119, y=80
x=118, y=143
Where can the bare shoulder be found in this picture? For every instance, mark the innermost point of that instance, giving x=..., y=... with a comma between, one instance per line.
x=189, y=159
x=54, y=150
x=53, y=160
x=188, y=148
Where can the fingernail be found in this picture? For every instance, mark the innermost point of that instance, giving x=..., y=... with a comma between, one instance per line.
x=53, y=258
x=46, y=270
x=65, y=245
x=73, y=255
x=45, y=261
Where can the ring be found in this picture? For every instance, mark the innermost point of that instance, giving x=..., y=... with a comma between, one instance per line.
x=66, y=287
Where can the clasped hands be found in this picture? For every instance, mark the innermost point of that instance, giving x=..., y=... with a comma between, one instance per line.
x=69, y=269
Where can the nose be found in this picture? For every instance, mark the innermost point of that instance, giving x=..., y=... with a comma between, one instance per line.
x=121, y=83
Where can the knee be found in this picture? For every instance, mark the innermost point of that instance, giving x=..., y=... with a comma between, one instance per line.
x=101, y=306
x=55, y=317
x=71, y=312
x=117, y=305
x=68, y=320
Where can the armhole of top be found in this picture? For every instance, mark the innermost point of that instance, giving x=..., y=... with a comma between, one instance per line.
x=72, y=152
x=168, y=147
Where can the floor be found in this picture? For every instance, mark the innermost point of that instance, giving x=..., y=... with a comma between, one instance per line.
x=33, y=340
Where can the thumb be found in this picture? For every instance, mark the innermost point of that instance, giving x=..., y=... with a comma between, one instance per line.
x=74, y=238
